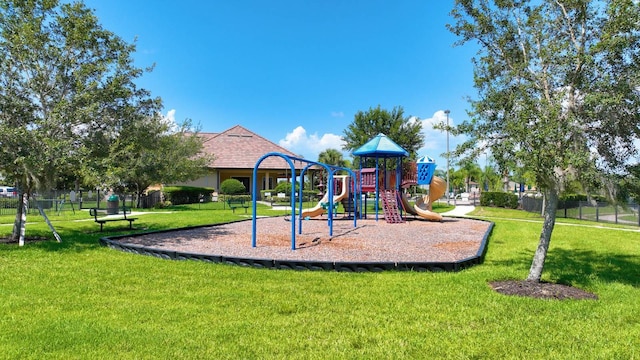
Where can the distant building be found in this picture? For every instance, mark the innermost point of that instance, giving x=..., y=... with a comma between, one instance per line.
x=236, y=151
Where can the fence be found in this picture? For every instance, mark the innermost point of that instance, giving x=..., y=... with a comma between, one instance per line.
x=61, y=200
x=592, y=211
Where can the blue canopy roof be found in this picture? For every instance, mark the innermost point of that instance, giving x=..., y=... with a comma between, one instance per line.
x=381, y=146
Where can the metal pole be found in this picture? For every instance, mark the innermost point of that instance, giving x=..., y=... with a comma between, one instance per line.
x=448, y=192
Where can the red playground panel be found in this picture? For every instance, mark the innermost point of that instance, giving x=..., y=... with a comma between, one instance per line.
x=368, y=178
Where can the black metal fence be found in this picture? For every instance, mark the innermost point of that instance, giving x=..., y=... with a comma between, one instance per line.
x=585, y=210
x=66, y=200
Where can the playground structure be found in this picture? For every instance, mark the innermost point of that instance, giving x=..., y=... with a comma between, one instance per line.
x=388, y=185
x=394, y=198
x=437, y=187
x=323, y=204
x=420, y=173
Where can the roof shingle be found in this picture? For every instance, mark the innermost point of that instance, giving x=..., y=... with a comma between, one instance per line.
x=239, y=148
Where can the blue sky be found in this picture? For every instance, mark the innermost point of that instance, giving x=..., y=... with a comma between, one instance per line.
x=296, y=71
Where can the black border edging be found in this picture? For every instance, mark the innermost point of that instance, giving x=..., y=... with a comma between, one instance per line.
x=300, y=265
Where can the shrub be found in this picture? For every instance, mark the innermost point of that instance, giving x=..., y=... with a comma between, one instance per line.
x=162, y=204
x=571, y=201
x=580, y=197
x=285, y=187
x=499, y=199
x=307, y=195
x=232, y=187
x=246, y=198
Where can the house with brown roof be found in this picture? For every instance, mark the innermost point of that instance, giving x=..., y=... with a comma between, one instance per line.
x=236, y=152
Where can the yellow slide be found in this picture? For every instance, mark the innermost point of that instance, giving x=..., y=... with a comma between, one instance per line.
x=318, y=209
x=423, y=204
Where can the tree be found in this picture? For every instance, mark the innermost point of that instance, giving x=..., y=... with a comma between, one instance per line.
x=404, y=131
x=153, y=151
x=630, y=185
x=332, y=157
x=470, y=172
x=63, y=80
x=456, y=180
x=557, y=90
x=491, y=179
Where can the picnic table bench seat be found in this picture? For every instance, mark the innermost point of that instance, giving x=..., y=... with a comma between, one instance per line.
x=237, y=203
x=122, y=216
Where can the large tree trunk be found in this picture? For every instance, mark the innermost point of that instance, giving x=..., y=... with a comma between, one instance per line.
x=549, y=213
x=15, y=234
x=19, y=225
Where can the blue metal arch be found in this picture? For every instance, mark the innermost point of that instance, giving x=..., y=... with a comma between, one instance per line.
x=289, y=159
x=331, y=170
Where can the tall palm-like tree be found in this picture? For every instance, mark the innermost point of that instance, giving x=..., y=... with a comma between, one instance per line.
x=470, y=171
x=332, y=157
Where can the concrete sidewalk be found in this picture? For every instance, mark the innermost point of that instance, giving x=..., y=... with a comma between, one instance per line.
x=460, y=210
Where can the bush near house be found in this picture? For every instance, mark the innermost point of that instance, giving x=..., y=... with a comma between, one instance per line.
x=307, y=195
x=245, y=197
x=232, y=187
x=285, y=187
x=499, y=199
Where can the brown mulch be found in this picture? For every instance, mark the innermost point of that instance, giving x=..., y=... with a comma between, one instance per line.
x=541, y=290
x=369, y=241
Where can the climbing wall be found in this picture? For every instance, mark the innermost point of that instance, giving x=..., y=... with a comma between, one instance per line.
x=390, y=206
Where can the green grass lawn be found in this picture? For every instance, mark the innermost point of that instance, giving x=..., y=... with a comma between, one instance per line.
x=79, y=300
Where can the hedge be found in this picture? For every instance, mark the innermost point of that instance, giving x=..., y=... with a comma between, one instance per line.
x=499, y=199
x=306, y=194
x=187, y=194
x=580, y=197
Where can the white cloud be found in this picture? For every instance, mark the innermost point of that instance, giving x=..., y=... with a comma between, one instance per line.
x=171, y=116
x=434, y=140
x=170, y=119
x=310, y=145
x=338, y=114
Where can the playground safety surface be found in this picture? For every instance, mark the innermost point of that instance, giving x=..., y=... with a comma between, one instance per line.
x=450, y=245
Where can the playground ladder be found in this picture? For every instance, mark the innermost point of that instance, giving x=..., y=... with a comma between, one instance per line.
x=390, y=206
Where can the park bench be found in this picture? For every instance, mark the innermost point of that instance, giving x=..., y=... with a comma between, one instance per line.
x=237, y=203
x=95, y=212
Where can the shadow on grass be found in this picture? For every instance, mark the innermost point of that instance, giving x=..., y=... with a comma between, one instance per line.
x=582, y=267
x=73, y=240
x=585, y=266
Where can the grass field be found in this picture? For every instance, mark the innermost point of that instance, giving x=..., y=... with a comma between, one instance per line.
x=79, y=300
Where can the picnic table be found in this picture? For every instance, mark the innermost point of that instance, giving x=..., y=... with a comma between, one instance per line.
x=237, y=203
x=101, y=216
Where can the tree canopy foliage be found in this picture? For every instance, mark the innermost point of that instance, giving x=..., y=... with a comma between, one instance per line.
x=558, y=90
x=149, y=151
x=61, y=76
x=405, y=131
x=70, y=108
x=332, y=157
